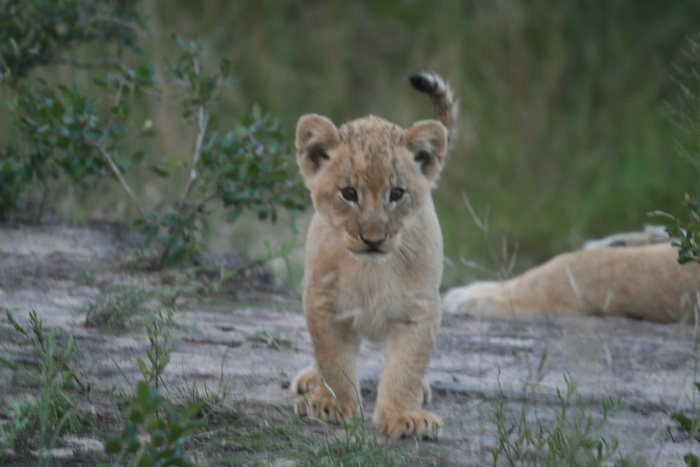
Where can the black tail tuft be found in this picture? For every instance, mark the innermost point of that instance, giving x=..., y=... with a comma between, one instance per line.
x=423, y=83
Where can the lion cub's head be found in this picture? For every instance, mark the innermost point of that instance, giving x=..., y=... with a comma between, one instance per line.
x=369, y=178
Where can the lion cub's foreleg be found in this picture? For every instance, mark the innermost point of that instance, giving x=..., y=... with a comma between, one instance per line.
x=331, y=388
x=403, y=387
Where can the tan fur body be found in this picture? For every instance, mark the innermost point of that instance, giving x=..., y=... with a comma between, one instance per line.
x=639, y=281
x=373, y=264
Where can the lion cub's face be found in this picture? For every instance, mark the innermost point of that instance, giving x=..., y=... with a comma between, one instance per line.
x=369, y=178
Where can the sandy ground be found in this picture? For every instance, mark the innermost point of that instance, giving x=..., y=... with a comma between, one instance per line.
x=60, y=271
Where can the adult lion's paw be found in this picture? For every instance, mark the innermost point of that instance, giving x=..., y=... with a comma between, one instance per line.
x=306, y=380
x=418, y=424
x=479, y=299
x=322, y=405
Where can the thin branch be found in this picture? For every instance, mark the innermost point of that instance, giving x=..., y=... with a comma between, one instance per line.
x=82, y=64
x=202, y=122
x=125, y=24
x=110, y=123
x=118, y=174
x=203, y=201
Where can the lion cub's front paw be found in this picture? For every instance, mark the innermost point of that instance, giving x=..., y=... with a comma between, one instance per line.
x=418, y=424
x=324, y=406
x=318, y=401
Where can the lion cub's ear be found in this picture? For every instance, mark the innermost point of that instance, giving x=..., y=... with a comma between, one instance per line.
x=427, y=140
x=315, y=137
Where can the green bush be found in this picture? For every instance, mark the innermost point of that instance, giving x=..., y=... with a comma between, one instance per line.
x=84, y=135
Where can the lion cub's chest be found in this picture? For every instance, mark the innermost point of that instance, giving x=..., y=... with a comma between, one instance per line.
x=373, y=297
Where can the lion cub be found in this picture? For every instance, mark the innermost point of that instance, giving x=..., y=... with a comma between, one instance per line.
x=373, y=260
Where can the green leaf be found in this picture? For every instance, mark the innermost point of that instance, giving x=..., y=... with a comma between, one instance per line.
x=144, y=74
x=142, y=367
x=225, y=67
x=158, y=437
x=232, y=216
x=147, y=461
x=162, y=173
x=133, y=446
x=138, y=156
x=172, y=219
x=257, y=112
x=137, y=415
x=175, y=433
x=682, y=420
x=213, y=123
x=15, y=324
x=112, y=444
x=691, y=460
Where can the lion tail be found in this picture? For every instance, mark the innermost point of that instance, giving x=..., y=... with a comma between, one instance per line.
x=446, y=107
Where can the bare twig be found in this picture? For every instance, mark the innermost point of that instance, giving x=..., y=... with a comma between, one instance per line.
x=202, y=122
x=82, y=64
x=125, y=24
x=117, y=99
x=120, y=177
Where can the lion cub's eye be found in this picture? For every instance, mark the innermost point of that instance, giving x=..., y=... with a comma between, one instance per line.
x=349, y=194
x=396, y=194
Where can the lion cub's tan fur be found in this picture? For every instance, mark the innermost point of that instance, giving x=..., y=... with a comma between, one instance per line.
x=607, y=278
x=373, y=261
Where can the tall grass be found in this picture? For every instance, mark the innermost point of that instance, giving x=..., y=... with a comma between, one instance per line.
x=565, y=134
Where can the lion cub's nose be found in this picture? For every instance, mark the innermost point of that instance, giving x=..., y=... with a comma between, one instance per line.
x=373, y=241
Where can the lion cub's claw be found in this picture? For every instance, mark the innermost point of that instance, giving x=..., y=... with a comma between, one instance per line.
x=306, y=381
x=427, y=393
x=418, y=424
x=326, y=408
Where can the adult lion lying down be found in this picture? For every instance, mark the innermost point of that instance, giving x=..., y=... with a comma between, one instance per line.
x=635, y=274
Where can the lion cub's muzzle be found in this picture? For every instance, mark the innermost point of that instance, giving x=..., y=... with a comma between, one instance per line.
x=373, y=247
x=373, y=242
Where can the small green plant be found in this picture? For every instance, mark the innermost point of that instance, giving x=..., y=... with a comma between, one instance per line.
x=687, y=232
x=272, y=339
x=571, y=438
x=155, y=433
x=687, y=235
x=119, y=306
x=356, y=446
x=691, y=425
x=18, y=419
x=158, y=329
x=53, y=411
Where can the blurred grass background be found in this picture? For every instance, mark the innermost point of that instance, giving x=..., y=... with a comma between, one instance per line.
x=565, y=132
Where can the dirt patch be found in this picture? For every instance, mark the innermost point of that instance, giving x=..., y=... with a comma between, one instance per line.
x=248, y=340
